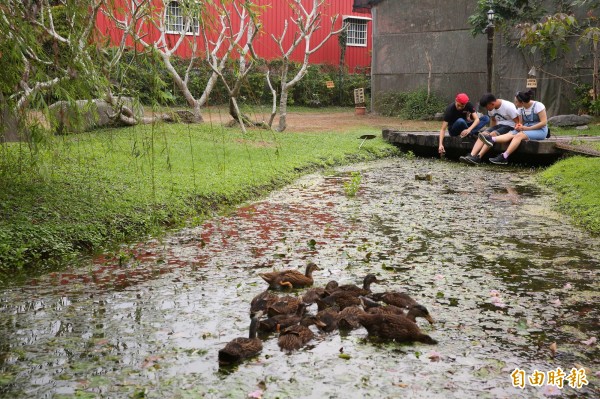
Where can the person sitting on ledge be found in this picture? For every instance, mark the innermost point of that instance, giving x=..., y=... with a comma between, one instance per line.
x=461, y=119
x=533, y=125
x=503, y=118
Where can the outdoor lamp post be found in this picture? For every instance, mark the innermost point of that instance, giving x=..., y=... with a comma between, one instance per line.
x=490, y=46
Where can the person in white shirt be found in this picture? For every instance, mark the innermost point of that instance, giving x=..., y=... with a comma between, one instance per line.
x=503, y=118
x=533, y=125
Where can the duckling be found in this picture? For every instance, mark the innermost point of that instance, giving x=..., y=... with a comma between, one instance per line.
x=311, y=295
x=348, y=318
x=395, y=327
x=290, y=278
x=284, y=305
x=356, y=290
x=261, y=302
x=282, y=321
x=294, y=337
x=241, y=348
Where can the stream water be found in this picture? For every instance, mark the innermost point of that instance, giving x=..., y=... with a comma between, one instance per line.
x=511, y=284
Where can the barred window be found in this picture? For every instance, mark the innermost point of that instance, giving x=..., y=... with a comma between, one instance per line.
x=175, y=20
x=357, y=32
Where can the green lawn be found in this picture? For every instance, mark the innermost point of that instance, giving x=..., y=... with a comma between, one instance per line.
x=577, y=182
x=79, y=193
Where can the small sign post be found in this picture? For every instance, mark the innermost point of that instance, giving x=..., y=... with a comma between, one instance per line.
x=531, y=83
x=330, y=84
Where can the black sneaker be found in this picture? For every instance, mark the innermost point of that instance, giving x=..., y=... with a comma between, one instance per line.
x=499, y=160
x=470, y=159
x=486, y=138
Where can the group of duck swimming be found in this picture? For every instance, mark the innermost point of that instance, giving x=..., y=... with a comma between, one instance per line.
x=344, y=307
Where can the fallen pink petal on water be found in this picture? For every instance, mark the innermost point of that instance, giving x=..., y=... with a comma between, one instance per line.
x=438, y=277
x=590, y=341
x=494, y=293
x=551, y=390
x=435, y=356
x=256, y=394
x=556, y=302
x=568, y=286
x=597, y=374
x=551, y=322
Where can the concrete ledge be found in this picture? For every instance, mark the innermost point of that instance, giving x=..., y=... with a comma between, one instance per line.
x=426, y=144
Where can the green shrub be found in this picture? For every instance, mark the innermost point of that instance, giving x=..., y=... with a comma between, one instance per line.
x=143, y=76
x=410, y=105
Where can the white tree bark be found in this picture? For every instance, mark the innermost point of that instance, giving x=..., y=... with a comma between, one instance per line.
x=307, y=22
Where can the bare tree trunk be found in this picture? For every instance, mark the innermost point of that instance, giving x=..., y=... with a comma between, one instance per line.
x=282, y=111
x=274, y=94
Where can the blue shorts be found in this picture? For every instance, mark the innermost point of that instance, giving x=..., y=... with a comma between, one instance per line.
x=537, y=134
x=500, y=129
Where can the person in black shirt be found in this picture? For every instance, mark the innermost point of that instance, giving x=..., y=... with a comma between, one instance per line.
x=461, y=119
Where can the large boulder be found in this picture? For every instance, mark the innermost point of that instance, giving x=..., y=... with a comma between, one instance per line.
x=569, y=120
x=85, y=115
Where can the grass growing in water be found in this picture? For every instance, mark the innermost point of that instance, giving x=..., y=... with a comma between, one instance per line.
x=577, y=181
x=80, y=193
x=351, y=187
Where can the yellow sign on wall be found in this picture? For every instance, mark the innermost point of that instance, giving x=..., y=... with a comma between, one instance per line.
x=330, y=84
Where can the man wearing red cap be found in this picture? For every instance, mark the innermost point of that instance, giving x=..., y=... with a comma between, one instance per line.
x=461, y=119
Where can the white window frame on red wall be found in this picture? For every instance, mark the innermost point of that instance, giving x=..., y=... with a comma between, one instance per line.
x=357, y=30
x=175, y=22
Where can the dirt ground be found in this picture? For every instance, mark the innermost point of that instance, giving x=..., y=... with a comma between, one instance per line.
x=319, y=121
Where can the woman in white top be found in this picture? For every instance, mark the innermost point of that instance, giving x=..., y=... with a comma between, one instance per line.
x=533, y=125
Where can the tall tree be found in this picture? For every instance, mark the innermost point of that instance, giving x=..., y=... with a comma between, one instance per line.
x=45, y=45
x=191, y=22
x=307, y=21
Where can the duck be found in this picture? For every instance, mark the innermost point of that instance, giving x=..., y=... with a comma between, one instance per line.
x=240, y=348
x=284, y=305
x=348, y=318
x=262, y=301
x=294, y=337
x=399, y=299
x=341, y=299
x=327, y=320
x=311, y=295
x=290, y=278
x=282, y=321
x=413, y=312
x=358, y=291
x=394, y=327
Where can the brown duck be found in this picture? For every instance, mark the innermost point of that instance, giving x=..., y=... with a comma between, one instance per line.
x=394, y=327
x=399, y=299
x=290, y=278
x=242, y=348
x=311, y=295
x=358, y=291
x=284, y=305
x=262, y=301
x=282, y=321
x=327, y=320
x=348, y=318
x=294, y=337
x=413, y=312
x=341, y=299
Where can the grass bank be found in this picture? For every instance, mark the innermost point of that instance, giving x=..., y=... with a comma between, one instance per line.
x=76, y=194
x=577, y=182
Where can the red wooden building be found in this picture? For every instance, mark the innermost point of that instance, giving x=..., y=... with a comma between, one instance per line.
x=272, y=16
